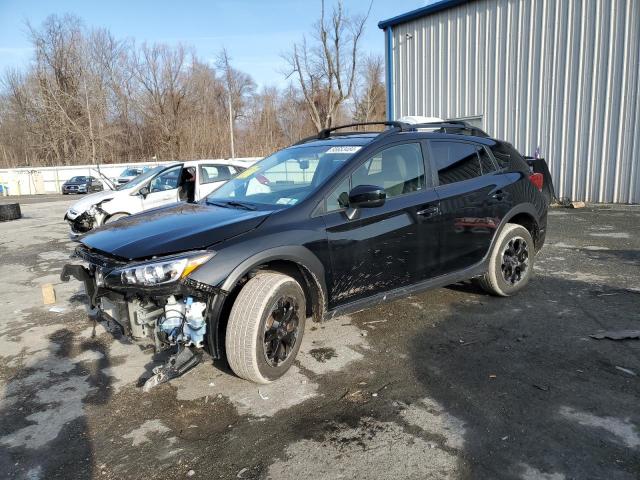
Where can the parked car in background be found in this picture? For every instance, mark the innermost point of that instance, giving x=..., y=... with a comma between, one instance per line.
x=333, y=224
x=158, y=186
x=82, y=184
x=129, y=174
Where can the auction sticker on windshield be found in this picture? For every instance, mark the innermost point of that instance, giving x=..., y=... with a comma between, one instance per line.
x=344, y=149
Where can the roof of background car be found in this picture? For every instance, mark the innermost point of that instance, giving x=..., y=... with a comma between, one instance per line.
x=217, y=161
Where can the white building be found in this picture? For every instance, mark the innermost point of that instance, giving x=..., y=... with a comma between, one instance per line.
x=561, y=75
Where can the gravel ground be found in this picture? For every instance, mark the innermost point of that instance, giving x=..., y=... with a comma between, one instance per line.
x=447, y=384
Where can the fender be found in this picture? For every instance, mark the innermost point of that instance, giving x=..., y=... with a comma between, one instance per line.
x=294, y=253
x=527, y=208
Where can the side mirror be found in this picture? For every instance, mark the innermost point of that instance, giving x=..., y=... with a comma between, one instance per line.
x=366, y=196
x=143, y=192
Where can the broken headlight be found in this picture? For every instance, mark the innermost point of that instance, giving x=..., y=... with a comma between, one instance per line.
x=161, y=271
x=93, y=210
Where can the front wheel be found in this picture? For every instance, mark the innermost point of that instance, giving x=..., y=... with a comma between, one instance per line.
x=511, y=263
x=265, y=327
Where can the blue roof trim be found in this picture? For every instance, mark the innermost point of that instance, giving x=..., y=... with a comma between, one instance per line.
x=420, y=12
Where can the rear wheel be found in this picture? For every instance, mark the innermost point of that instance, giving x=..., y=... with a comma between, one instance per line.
x=511, y=263
x=265, y=327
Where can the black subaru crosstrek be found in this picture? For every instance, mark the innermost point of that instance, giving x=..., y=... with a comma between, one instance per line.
x=330, y=225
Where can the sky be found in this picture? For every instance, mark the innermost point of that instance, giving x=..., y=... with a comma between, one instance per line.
x=256, y=33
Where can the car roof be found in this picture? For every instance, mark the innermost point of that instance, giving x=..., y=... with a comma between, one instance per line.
x=362, y=139
x=218, y=161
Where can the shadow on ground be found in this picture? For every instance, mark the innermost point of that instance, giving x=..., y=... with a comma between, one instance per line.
x=538, y=396
x=44, y=409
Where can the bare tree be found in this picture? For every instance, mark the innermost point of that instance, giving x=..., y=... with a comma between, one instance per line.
x=326, y=70
x=369, y=96
x=238, y=86
x=89, y=97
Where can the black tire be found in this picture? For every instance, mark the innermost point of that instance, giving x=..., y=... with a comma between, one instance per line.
x=10, y=211
x=265, y=327
x=511, y=262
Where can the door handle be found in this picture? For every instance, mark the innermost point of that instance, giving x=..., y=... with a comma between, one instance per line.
x=430, y=211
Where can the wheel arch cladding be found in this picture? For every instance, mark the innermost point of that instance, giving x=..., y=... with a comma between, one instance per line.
x=295, y=261
x=526, y=216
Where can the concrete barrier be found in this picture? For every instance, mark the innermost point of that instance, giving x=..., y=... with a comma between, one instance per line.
x=42, y=180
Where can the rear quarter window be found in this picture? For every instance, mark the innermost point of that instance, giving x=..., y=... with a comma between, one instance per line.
x=508, y=157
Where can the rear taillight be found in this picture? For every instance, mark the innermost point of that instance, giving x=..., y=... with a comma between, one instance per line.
x=537, y=179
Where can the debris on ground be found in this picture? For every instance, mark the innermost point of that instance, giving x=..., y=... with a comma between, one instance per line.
x=57, y=309
x=626, y=370
x=578, y=205
x=323, y=354
x=544, y=388
x=617, y=335
x=48, y=294
x=10, y=211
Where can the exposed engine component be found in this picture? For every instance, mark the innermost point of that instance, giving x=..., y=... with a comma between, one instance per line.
x=195, y=327
x=184, y=322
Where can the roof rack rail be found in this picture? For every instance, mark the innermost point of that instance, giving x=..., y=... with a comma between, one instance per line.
x=455, y=125
x=448, y=124
x=325, y=133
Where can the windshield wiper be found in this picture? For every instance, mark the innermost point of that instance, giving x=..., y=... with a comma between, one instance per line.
x=246, y=206
x=230, y=203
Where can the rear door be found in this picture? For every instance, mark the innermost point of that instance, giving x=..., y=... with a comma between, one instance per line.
x=389, y=246
x=473, y=201
x=211, y=177
x=163, y=188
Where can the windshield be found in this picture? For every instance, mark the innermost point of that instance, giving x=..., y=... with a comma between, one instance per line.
x=142, y=178
x=286, y=177
x=78, y=179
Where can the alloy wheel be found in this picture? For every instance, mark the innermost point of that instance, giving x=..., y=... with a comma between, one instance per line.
x=281, y=331
x=515, y=260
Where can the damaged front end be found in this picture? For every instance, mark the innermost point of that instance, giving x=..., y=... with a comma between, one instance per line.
x=83, y=222
x=152, y=302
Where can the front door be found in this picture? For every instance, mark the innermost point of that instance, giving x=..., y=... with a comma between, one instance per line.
x=385, y=247
x=163, y=189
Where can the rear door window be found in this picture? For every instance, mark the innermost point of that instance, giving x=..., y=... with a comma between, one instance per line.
x=460, y=161
x=216, y=173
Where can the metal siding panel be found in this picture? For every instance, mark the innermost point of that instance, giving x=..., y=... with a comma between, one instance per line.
x=559, y=74
x=633, y=139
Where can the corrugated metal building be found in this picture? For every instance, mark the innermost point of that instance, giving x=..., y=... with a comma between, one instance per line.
x=562, y=75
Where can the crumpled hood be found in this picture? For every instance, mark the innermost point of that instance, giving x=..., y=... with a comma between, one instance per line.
x=176, y=228
x=83, y=205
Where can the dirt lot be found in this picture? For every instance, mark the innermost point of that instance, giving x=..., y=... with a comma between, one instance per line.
x=447, y=384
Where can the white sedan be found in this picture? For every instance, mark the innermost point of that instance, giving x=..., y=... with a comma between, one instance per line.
x=157, y=187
